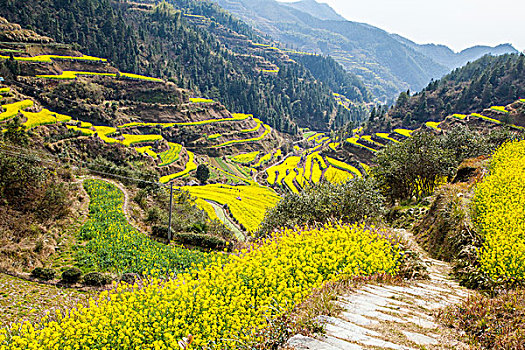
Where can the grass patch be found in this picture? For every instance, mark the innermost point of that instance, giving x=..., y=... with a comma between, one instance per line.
x=491, y=323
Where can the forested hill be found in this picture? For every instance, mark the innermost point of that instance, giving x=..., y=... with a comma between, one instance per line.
x=198, y=46
x=387, y=63
x=486, y=82
x=382, y=62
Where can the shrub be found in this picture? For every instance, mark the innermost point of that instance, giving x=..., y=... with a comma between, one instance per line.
x=201, y=240
x=96, y=279
x=160, y=231
x=129, y=277
x=203, y=173
x=352, y=201
x=43, y=273
x=71, y=275
x=413, y=168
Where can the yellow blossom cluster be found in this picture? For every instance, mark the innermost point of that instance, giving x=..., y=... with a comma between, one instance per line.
x=245, y=158
x=247, y=204
x=499, y=213
x=223, y=305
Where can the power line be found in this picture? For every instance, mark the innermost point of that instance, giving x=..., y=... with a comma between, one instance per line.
x=27, y=156
x=60, y=159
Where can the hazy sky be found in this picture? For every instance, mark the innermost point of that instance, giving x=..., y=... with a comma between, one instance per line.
x=456, y=23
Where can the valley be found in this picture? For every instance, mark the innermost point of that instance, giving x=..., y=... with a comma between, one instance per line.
x=172, y=178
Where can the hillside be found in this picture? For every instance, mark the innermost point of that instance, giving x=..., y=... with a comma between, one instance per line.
x=196, y=46
x=386, y=63
x=140, y=210
x=318, y=10
x=489, y=81
x=83, y=111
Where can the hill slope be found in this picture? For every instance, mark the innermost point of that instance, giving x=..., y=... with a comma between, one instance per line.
x=384, y=62
x=318, y=10
x=489, y=81
x=197, y=46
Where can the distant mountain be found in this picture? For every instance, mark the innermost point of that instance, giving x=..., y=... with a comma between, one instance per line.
x=318, y=10
x=444, y=55
x=382, y=62
x=386, y=63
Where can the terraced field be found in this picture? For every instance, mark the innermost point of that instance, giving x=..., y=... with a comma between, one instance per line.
x=12, y=109
x=296, y=172
x=51, y=58
x=190, y=166
x=235, y=117
x=267, y=130
x=171, y=155
x=245, y=158
x=433, y=125
x=44, y=117
x=68, y=75
x=247, y=204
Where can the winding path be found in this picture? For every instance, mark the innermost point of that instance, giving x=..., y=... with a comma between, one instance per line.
x=392, y=316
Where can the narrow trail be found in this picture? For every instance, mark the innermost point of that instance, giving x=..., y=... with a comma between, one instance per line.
x=392, y=316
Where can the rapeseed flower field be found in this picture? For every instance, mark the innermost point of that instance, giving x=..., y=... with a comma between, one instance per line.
x=224, y=305
x=248, y=204
x=245, y=158
x=499, y=213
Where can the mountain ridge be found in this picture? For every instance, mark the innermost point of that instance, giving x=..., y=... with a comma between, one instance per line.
x=385, y=63
x=444, y=55
x=316, y=9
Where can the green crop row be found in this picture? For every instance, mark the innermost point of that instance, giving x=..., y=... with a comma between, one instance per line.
x=114, y=245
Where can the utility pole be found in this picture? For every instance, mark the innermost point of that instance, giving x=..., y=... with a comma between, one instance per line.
x=171, y=204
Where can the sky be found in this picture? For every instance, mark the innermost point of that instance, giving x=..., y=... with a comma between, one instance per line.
x=458, y=24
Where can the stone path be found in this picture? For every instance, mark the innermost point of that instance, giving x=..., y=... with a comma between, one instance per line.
x=391, y=316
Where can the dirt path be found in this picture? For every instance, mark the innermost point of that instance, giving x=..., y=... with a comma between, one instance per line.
x=225, y=219
x=392, y=316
